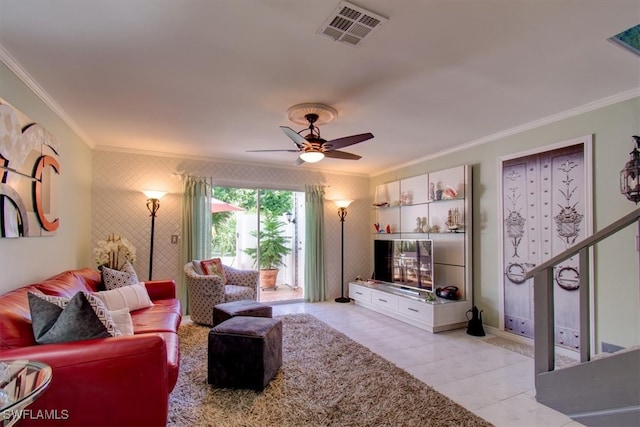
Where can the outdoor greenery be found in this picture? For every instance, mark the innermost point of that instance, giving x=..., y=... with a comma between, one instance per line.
x=274, y=203
x=273, y=245
x=223, y=234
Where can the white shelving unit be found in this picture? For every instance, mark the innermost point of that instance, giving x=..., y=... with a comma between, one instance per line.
x=423, y=207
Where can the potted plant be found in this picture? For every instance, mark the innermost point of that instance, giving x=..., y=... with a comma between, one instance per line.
x=273, y=248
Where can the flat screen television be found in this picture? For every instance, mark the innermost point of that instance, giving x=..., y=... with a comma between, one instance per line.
x=407, y=262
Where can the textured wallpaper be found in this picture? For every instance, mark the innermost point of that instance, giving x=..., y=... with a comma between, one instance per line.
x=119, y=207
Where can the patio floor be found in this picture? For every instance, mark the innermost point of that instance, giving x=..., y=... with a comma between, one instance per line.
x=281, y=293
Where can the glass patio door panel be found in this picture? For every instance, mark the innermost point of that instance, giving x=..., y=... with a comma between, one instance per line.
x=271, y=214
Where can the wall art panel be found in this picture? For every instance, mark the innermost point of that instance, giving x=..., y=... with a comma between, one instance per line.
x=29, y=167
x=546, y=209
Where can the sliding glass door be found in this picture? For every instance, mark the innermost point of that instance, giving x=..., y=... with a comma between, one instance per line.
x=262, y=229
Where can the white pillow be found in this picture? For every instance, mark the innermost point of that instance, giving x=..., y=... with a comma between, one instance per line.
x=123, y=320
x=133, y=297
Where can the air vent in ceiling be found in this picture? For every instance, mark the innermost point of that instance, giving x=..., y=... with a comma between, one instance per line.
x=351, y=24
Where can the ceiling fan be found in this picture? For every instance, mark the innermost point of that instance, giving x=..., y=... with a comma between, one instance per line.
x=312, y=147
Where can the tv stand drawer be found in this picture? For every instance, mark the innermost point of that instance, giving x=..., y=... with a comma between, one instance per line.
x=414, y=309
x=359, y=293
x=384, y=300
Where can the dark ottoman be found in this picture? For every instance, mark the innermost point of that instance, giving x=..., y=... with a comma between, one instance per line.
x=245, y=352
x=245, y=307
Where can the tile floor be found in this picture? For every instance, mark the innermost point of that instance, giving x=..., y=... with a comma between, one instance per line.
x=494, y=383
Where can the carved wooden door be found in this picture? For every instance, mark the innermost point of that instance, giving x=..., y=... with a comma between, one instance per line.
x=543, y=200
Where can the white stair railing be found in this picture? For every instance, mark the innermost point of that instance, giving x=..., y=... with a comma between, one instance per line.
x=543, y=296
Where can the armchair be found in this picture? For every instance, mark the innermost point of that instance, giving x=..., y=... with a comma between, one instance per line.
x=206, y=291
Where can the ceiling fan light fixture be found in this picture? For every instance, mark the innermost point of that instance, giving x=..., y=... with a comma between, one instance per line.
x=312, y=156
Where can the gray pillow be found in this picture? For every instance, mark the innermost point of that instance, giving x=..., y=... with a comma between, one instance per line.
x=82, y=317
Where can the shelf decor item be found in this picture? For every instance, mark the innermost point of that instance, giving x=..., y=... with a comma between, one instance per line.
x=453, y=220
x=449, y=193
x=381, y=198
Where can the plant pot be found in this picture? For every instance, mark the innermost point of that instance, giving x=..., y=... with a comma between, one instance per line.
x=268, y=278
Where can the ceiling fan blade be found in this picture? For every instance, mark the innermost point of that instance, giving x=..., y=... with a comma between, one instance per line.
x=299, y=161
x=265, y=151
x=336, y=144
x=297, y=138
x=334, y=154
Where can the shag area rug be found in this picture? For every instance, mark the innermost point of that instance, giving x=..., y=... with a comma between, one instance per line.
x=326, y=379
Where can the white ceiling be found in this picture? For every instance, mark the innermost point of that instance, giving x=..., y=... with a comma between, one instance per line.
x=215, y=78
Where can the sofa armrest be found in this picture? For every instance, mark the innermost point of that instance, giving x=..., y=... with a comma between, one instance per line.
x=108, y=381
x=161, y=289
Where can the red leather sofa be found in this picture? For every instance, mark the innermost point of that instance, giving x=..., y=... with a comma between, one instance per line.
x=115, y=381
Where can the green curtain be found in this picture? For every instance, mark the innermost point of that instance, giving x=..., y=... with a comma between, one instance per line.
x=196, y=227
x=315, y=284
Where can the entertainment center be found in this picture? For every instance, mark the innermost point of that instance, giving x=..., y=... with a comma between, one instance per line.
x=422, y=244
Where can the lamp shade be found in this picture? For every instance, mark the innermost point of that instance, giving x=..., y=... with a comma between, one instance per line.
x=312, y=156
x=154, y=194
x=343, y=203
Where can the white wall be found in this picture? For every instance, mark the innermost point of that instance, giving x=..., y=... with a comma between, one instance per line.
x=26, y=260
x=616, y=266
x=119, y=206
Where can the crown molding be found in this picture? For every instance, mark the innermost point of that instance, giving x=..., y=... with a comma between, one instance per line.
x=204, y=158
x=31, y=83
x=586, y=108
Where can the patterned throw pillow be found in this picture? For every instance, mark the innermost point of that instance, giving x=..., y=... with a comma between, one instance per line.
x=113, y=279
x=58, y=320
x=128, y=268
x=213, y=267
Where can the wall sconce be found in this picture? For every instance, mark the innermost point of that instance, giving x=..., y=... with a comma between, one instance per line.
x=153, y=204
x=290, y=218
x=630, y=175
x=342, y=213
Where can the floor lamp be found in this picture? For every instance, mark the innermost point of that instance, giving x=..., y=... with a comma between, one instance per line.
x=153, y=204
x=342, y=213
